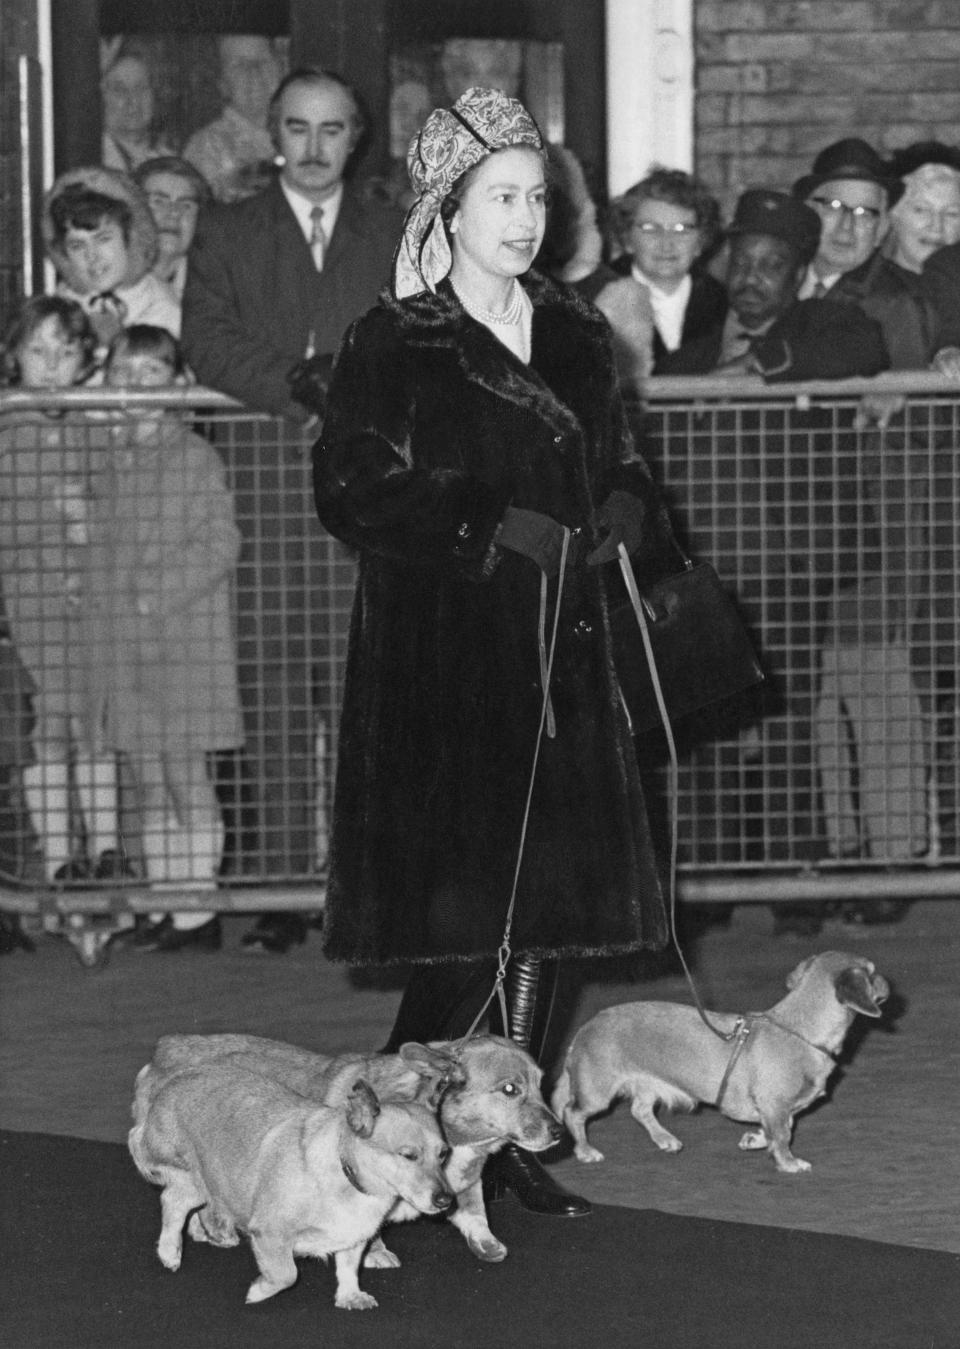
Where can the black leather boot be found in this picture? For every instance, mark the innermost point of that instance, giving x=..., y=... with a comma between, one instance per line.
x=440, y=1002
x=514, y=1168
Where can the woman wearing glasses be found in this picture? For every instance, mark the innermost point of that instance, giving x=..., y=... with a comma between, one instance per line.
x=667, y=224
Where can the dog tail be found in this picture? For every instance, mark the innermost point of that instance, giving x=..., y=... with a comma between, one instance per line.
x=135, y=1145
x=562, y=1093
x=143, y=1093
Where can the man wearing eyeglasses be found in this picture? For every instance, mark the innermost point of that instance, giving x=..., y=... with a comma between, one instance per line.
x=772, y=240
x=851, y=189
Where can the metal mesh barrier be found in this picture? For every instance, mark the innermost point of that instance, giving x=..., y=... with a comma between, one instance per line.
x=839, y=538
x=175, y=626
x=174, y=633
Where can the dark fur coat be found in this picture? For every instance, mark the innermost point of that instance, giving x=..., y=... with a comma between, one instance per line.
x=433, y=429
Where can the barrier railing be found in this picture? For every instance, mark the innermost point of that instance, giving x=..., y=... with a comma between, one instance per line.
x=174, y=638
x=176, y=621
x=830, y=511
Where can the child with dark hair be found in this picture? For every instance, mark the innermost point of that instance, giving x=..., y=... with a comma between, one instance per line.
x=102, y=239
x=45, y=504
x=164, y=546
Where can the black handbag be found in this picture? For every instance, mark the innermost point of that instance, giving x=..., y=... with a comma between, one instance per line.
x=707, y=669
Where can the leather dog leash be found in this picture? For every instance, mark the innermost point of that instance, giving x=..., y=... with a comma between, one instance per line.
x=546, y=723
x=672, y=792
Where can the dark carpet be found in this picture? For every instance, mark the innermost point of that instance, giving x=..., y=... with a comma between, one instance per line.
x=78, y=1227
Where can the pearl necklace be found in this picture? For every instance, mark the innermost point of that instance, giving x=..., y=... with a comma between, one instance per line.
x=507, y=317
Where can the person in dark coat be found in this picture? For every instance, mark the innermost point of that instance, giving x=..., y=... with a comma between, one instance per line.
x=852, y=190
x=264, y=310
x=768, y=331
x=472, y=418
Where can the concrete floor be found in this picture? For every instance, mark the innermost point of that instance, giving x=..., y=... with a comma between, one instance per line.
x=884, y=1145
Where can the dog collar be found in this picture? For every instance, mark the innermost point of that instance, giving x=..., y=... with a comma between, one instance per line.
x=351, y=1175
x=795, y=1033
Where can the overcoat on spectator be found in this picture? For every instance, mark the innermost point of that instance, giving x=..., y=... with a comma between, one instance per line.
x=813, y=339
x=433, y=429
x=254, y=301
x=895, y=298
x=162, y=674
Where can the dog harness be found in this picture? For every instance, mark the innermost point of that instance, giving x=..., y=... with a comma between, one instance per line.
x=742, y=1030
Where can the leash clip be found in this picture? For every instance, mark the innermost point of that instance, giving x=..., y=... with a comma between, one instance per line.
x=742, y=1028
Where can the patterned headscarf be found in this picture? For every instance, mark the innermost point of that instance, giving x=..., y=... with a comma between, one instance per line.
x=451, y=141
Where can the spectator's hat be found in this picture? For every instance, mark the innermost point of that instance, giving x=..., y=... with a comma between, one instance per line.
x=851, y=158
x=761, y=211
x=921, y=153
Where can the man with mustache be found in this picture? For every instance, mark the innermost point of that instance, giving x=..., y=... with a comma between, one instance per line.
x=273, y=282
x=768, y=332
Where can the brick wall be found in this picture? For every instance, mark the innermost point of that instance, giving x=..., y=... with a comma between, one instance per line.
x=779, y=79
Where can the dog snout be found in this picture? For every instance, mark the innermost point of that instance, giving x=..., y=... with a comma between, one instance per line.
x=555, y=1130
x=442, y=1200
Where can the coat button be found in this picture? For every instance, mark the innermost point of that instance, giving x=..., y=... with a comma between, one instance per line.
x=464, y=531
x=558, y=440
x=583, y=629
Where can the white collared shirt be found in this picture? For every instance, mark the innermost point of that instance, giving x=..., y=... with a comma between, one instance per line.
x=669, y=307
x=302, y=208
x=812, y=279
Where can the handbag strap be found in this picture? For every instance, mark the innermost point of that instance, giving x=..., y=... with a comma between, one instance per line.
x=641, y=611
x=546, y=722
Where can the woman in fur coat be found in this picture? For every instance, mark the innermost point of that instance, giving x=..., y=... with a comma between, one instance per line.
x=470, y=419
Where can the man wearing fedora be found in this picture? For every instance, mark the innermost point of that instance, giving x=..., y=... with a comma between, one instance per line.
x=852, y=189
x=773, y=240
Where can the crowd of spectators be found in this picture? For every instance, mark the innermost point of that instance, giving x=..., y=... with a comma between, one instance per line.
x=259, y=244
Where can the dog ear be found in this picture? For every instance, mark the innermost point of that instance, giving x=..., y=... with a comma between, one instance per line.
x=432, y=1061
x=796, y=975
x=855, y=989
x=362, y=1108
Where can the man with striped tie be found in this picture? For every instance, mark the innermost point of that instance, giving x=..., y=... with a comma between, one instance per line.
x=273, y=283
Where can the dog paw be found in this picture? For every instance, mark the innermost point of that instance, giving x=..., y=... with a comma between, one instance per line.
x=260, y=1290
x=670, y=1144
x=792, y=1165
x=753, y=1140
x=585, y=1153
x=356, y=1302
x=488, y=1248
x=379, y=1257
x=169, y=1254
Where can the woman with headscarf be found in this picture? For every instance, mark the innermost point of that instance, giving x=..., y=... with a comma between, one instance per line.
x=472, y=417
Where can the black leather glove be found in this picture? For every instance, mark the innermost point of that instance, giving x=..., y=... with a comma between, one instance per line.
x=309, y=380
x=533, y=534
x=624, y=517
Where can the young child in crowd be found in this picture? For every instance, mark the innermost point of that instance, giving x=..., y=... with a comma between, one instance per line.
x=164, y=546
x=46, y=460
x=102, y=239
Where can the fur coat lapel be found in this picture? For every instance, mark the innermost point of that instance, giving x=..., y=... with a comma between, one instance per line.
x=560, y=395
